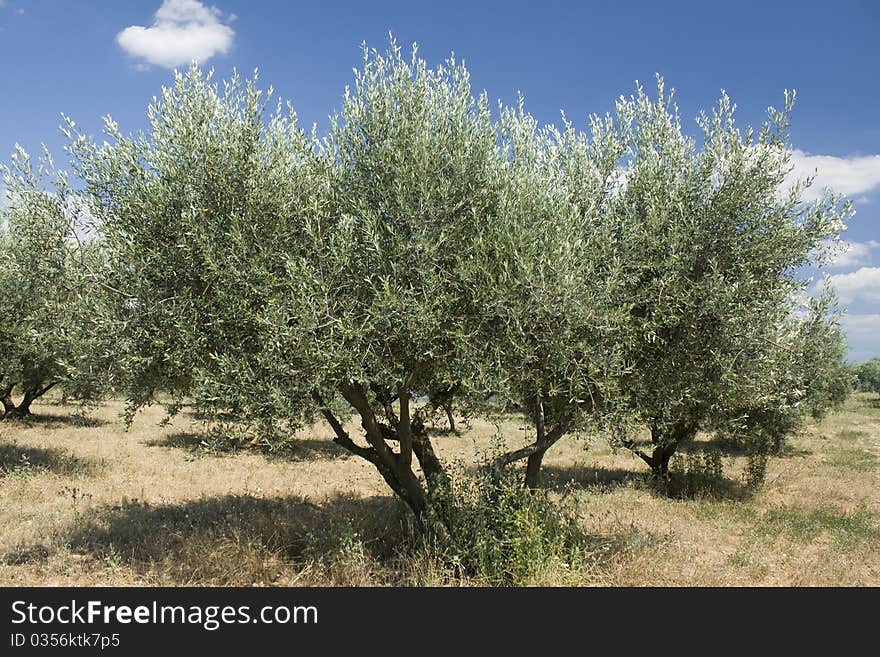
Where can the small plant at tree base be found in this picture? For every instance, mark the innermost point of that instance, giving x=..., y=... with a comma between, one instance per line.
x=500, y=533
x=756, y=469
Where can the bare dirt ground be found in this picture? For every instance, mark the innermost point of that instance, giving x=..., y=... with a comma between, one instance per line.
x=85, y=503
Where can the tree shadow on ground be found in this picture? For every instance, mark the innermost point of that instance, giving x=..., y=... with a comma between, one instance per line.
x=593, y=478
x=52, y=420
x=22, y=460
x=229, y=539
x=298, y=449
x=679, y=486
x=734, y=449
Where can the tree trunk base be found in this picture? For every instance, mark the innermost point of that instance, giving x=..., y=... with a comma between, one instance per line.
x=16, y=413
x=533, y=470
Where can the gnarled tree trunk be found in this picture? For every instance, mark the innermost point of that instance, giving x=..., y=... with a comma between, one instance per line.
x=396, y=468
x=31, y=394
x=6, y=399
x=544, y=440
x=666, y=442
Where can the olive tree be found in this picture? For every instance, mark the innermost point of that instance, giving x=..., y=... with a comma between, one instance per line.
x=45, y=336
x=868, y=374
x=553, y=281
x=803, y=375
x=712, y=246
x=200, y=218
x=267, y=274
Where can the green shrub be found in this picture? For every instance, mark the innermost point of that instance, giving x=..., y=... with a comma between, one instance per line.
x=500, y=533
x=756, y=469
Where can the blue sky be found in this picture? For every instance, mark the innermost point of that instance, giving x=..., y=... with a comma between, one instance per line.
x=96, y=57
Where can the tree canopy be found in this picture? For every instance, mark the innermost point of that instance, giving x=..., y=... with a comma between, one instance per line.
x=430, y=247
x=46, y=339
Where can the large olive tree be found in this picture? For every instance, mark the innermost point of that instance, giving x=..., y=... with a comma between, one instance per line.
x=261, y=272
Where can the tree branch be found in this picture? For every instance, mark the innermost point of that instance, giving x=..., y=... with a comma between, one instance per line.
x=541, y=444
x=45, y=389
x=631, y=446
x=342, y=438
x=404, y=428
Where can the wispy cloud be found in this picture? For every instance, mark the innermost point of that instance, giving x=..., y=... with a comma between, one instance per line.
x=851, y=176
x=183, y=31
x=4, y=4
x=862, y=284
x=853, y=254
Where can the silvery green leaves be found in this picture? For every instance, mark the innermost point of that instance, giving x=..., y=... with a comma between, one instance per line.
x=425, y=247
x=45, y=339
x=712, y=255
x=200, y=216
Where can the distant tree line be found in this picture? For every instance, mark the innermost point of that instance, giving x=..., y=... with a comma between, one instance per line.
x=868, y=376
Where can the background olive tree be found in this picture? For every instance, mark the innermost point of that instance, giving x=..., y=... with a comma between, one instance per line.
x=557, y=329
x=713, y=247
x=46, y=340
x=703, y=250
x=868, y=374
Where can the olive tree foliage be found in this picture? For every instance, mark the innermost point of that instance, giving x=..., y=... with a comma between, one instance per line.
x=46, y=305
x=868, y=376
x=553, y=282
x=265, y=273
x=804, y=376
x=711, y=245
x=203, y=217
x=415, y=183
x=826, y=380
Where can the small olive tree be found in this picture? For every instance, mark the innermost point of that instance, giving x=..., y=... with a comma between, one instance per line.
x=804, y=375
x=711, y=247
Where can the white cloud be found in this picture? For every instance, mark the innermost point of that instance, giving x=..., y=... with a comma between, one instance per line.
x=862, y=284
x=845, y=175
x=183, y=31
x=853, y=254
x=863, y=335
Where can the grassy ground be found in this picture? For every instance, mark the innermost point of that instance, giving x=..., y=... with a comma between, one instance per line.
x=85, y=503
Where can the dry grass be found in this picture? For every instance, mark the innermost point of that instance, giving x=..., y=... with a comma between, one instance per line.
x=85, y=503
